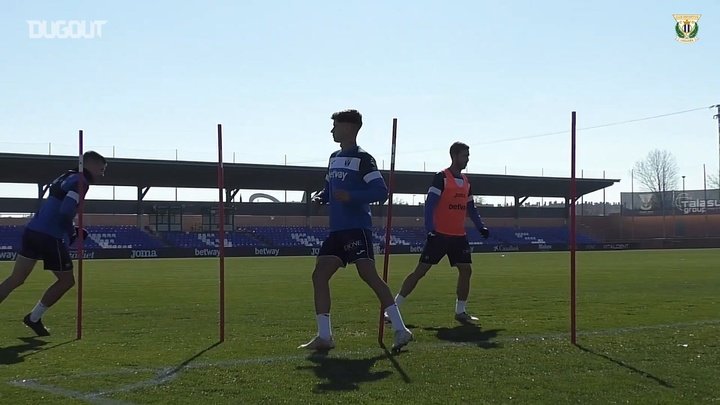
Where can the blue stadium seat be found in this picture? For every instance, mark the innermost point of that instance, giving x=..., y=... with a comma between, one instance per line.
x=131, y=237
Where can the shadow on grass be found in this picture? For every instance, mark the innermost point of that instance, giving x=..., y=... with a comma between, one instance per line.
x=170, y=373
x=18, y=353
x=627, y=366
x=468, y=334
x=391, y=357
x=343, y=374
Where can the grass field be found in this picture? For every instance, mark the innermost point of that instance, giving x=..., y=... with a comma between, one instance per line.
x=648, y=324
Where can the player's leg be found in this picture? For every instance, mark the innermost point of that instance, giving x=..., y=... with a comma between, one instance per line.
x=65, y=281
x=29, y=253
x=460, y=257
x=359, y=249
x=368, y=273
x=412, y=280
x=21, y=270
x=325, y=268
x=329, y=260
x=463, y=281
x=434, y=250
x=56, y=259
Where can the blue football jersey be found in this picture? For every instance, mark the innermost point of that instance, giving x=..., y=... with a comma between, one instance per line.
x=356, y=172
x=56, y=214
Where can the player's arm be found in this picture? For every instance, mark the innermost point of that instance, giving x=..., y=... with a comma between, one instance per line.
x=75, y=233
x=432, y=200
x=322, y=195
x=475, y=216
x=69, y=204
x=376, y=190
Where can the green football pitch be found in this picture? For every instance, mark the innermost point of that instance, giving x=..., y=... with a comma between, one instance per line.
x=648, y=328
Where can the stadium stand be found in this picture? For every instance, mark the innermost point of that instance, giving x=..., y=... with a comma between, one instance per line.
x=10, y=237
x=130, y=237
x=120, y=237
x=208, y=239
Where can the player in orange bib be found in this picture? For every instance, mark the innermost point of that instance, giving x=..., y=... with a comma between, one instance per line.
x=448, y=203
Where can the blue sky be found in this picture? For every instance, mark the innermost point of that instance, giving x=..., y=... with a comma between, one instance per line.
x=491, y=74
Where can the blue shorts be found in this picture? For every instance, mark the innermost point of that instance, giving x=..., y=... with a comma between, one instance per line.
x=53, y=252
x=348, y=245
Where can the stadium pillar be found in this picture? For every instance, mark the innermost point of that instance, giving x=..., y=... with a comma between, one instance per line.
x=567, y=207
x=139, y=209
x=141, y=192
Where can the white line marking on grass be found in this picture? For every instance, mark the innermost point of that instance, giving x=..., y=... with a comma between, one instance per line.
x=63, y=392
x=168, y=374
x=162, y=377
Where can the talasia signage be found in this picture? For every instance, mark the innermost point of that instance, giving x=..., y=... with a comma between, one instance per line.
x=695, y=206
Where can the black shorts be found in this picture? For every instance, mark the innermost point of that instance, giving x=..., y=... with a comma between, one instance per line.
x=457, y=249
x=52, y=251
x=348, y=245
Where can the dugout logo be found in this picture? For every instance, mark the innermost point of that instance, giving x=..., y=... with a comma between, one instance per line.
x=206, y=252
x=616, y=246
x=506, y=248
x=8, y=255
x=87, y=254
x=266, y=252
x=686, y=27
x=647, y=201
x=143, y=253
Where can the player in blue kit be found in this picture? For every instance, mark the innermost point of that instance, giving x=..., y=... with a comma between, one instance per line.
x=352, y=183
x=48, y=235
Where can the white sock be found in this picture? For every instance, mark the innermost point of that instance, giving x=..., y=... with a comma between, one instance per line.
x=38, y=312
x=394, y=313
x=399, y=299
x=460, y=306
x=323, y=324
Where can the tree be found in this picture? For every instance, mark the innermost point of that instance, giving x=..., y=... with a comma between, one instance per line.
x=658, y=173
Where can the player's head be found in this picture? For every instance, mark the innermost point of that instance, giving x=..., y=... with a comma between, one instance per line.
x=94, y=163
x=346, y=125
x=460, y=155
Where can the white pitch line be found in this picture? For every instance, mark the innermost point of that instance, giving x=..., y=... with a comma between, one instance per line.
x=63, y=392
x=167, y=374
x=164, y=376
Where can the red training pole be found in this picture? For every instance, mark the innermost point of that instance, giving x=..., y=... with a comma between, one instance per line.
x=221, y=230
x=573, y=198
x=388, y=226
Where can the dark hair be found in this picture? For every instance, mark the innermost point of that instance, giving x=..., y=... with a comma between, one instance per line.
x=349, y=116
x=458, y=147
x=92, y=156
